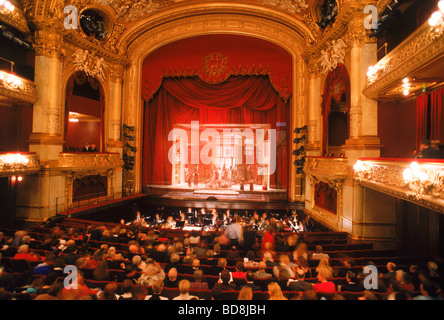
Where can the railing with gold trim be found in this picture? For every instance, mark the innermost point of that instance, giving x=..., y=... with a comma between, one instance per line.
x=16, y=89
x=18, y=163
x=421, y=48
x=85, y=161
x=417, y=180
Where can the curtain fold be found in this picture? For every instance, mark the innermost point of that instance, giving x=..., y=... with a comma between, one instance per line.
x=336, y=85
x=238, y=100
x=436, y=115
x=421, y=119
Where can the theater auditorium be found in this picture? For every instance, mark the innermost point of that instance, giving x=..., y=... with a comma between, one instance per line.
x=221, y=150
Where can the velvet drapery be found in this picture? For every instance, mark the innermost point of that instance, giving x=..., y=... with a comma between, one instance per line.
x=421, y=119
x=336, y=85
x=238, y=100
x=436, y=115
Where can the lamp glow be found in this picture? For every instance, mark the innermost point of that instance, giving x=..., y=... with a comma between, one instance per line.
x=435, y=19
x=441, y=6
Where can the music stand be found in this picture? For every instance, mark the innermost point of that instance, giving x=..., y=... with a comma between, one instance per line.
x=180, y=224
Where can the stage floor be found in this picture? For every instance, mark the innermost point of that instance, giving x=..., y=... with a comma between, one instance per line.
x=202, y=197
x=183, y=191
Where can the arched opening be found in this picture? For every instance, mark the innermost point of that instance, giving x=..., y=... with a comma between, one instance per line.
x=84, y=109
x=200, y=79
x=335, y=112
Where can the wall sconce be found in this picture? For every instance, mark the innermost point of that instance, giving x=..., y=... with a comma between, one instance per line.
x=7, y=5
x=423, y=181
x=13, y=160
x=10, y=80
x=436, y=21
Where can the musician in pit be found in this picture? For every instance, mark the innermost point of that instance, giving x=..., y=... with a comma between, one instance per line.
x=183, y=218
x=214, y=217
x=170, y=223
x=157, y=219
x=255, y=219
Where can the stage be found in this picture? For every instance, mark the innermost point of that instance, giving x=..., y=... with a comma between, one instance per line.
x=234, y=198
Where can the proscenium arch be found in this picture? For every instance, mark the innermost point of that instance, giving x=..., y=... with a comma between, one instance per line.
x=206, y=24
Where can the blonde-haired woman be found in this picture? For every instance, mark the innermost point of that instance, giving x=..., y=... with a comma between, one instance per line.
x=324, y=263
x=246, y=293
x=275, y=292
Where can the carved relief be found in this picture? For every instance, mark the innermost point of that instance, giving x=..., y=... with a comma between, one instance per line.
x=292, y=6
x=390, y=178
x=89, y=63
x=333, y=56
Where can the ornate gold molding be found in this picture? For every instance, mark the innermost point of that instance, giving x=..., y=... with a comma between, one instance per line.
x=330, y=170
x=16, y=90
x=15, y=18
x=95, y=162
x=420, y=49
x=389, y=177
x=79, y=165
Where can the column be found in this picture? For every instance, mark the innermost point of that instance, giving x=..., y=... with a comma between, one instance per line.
x=363, y=140
x=46, y=138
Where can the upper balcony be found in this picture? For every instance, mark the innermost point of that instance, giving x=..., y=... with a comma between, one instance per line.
x=415, y=66
x=416, y=180
x=15, y=90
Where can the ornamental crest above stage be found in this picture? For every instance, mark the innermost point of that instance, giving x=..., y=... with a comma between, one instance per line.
x=214, y=68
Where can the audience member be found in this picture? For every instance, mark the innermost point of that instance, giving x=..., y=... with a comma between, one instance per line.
x=184, y=289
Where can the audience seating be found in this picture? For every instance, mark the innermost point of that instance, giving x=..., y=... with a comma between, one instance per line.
x=335, y=244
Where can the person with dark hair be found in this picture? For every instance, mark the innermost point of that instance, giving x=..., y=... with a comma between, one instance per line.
x=216, y=294
x=428, y=291
x=239, y=273
x=249, y=277
x=352, y=284
x=54, y=292
x=225, y=278
x=299, y=284
x=46, y=266
x=426, y=151
x=127, y=288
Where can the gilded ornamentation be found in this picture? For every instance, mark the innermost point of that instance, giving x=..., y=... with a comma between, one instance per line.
x=422, y=184
x=333, y=56
x=332, y=169
x=17, y=89
x=85, y=161
x=130, y=10
x=87, y=62
x=17, y=163
x=420, y=48
x=292, y=6
x=214, y=68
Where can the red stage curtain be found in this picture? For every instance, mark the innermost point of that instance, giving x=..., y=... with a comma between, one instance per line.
x=421, y=119
x=238, y=100
x=436, y=115
x=336, y=85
